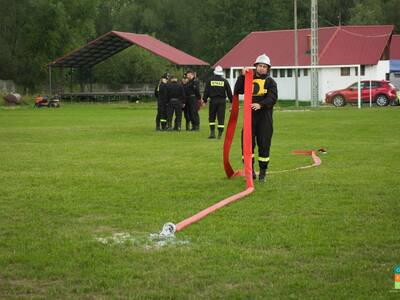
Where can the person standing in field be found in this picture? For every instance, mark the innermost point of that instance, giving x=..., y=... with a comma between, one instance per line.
x=193, y=97
x=217, y=89
x=186, y=112
x=161, y=95
x=265, y=95
x=175, y=98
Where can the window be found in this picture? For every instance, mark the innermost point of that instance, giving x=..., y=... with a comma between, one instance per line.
x=289, y=73
x=298, y=72
x=353, y=86
x=362, y=69
x=282, y=73
x=376, y=84
x=344, y=71
x=365, y=84
x=274, y=73
x=387, y=76
x=227, y=73
x=305, y=72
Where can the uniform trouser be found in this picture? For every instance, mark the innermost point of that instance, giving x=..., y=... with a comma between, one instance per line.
x=262, y=131
x=193, y=111
x=161, y=118
x=186, y=114
x=217, y=109
x=175, y=105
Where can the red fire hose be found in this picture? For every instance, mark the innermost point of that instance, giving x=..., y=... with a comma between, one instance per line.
x=170, y=228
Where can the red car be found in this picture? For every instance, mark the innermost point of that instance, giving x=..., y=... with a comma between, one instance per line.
x=382, y=93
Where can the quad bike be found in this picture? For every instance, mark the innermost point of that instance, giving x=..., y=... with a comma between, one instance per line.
x=46, y=102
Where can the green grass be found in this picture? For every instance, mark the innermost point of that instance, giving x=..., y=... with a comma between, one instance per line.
x=70, y=175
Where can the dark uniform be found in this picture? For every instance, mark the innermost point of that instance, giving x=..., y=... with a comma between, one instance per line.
x=218, y=89
x=161, y=95
x=175, y=96
x=265, y=93
x=192, y=90
x=186, y=112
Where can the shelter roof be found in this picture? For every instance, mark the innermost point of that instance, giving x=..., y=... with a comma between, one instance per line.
x=113, y=42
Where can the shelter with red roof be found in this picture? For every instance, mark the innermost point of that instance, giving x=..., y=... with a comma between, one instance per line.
x=114, y=42
x=343, y=50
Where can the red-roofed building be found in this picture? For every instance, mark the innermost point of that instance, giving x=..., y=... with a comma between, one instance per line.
x=341, y=50
x=395, y=61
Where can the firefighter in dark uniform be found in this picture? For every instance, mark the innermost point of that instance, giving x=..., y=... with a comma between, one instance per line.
x=175, y=98
x=265, y=94
x=217, y=89
x=186, y=112
x=192, y=99
x=161, y=95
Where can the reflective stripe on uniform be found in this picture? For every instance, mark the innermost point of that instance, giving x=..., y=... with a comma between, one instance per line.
x=217, y=83
x=221, y=126
x=212, y=123
x=264, y=159
x=163, y=120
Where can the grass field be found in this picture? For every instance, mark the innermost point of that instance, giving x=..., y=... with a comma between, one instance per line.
x=72, y=175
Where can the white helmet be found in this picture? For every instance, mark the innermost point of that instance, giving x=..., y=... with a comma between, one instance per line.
x=218, y=71
x=263, y=59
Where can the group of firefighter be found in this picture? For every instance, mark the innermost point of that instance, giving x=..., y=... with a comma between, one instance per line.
x=177, y=98
x=184, y=98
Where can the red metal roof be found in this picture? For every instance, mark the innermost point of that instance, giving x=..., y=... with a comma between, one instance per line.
x=114, y=42
x=337, y=46
x=395, y=47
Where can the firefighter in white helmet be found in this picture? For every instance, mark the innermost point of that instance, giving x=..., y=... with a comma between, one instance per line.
x=265, y=95
x=217, y=89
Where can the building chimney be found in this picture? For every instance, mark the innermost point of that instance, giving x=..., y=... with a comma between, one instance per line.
x=308, y=45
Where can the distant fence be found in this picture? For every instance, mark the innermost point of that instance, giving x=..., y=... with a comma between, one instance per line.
x=107, y=96
x=102, y=93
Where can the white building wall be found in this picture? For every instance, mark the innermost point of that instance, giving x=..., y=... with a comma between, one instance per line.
x=329, y=79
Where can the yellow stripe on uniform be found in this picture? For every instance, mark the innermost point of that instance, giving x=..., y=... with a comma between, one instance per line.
x=212, y=123
x=264, y=159
x=217, y=83
x=221, y=126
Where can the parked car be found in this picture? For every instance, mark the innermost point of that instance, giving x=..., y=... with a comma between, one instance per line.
x=381, y=92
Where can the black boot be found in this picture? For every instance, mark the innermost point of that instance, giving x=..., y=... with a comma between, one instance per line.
x=262, y=175
x=220, y=132
x=212, y=132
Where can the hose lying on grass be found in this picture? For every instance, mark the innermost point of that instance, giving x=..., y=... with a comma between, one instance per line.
x=170, y=228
